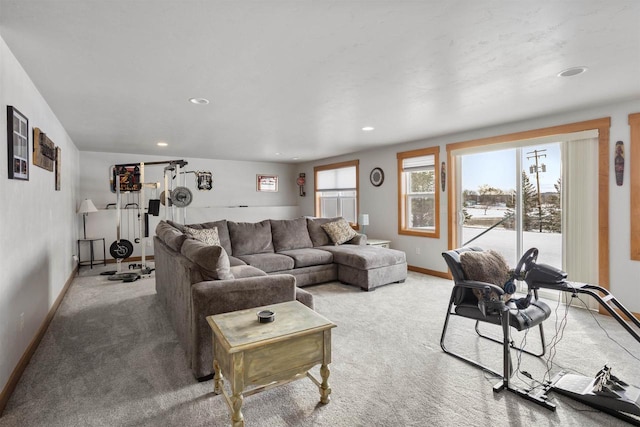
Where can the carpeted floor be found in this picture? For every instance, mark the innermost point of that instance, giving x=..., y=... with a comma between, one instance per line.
x=111, y=358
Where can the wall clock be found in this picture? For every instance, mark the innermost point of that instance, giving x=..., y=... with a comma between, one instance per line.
x=376, y=177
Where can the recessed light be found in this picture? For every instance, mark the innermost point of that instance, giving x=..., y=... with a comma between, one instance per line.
x=295, y=158
x=573, y=71
x=277, y=154
x=199, y=101
x=368, y=128
x=162, y=144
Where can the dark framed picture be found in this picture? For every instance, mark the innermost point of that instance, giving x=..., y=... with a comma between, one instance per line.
x=17, y=144
x=376, y=177
x=44, y=150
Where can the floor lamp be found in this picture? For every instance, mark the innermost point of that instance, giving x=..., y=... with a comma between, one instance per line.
x=85, y=207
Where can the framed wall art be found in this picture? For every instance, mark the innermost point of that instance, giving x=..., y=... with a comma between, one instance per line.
x=44, y=150
x=17, y=144
x=267, y=183
x=58, y=166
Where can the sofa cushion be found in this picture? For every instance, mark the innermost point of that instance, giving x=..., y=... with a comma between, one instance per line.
x=248, y=238
x=307, y=257
x=290, y=234
x=269, y=262
x=365, y=257
x=223, y=232
x=339, y=231
x=212, y=261
x=319, y=237
x=171, y=236
x=205, y=235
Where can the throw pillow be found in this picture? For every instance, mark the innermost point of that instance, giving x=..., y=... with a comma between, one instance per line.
x=486, y=266
x=319, y=237
x=170, y=235
x=339, y=231
x=208, y=236
x=212, y=261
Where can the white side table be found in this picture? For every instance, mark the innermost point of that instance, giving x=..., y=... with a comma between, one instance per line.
x=379, y=242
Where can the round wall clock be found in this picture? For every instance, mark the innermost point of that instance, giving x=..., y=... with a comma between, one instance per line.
x=376, y=177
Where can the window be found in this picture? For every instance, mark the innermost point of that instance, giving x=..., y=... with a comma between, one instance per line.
x=418, y=196
x=337, y=190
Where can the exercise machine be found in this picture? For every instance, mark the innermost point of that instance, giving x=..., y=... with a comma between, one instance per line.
x=127, y=179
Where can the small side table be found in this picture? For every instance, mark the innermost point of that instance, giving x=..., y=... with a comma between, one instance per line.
x=379, y=242
x=247, y=353
x=92, y=260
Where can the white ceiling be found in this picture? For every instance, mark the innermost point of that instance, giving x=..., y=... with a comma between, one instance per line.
x=301, y=78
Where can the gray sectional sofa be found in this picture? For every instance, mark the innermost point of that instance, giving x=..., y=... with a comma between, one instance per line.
x=256, y=264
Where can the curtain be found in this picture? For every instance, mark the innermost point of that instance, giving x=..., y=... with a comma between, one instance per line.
x=580, y=210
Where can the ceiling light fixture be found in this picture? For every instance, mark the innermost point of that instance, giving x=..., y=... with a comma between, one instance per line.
x=199, y=101
x=573, y=71
x=162, y=144
x=368, y=128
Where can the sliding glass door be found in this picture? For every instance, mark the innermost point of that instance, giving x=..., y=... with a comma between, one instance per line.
x=510, y=200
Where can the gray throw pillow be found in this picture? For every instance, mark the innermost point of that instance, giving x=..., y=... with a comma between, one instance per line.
x=170, y=235
x=212, y=261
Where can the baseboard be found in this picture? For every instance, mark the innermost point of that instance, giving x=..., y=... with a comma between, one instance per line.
x=33, y=345
x=444, y=275
x=130, y=259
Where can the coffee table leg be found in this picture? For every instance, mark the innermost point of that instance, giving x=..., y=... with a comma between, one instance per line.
x=237, y=386
x=325, y=390
x=217, y=378
x=237, y=419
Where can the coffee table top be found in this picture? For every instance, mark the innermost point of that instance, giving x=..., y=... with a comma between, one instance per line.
x=240, y=330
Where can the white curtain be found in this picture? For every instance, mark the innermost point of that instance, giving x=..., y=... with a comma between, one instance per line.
x=580, y=210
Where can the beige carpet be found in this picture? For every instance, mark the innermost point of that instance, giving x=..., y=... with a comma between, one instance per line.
x=111, y=358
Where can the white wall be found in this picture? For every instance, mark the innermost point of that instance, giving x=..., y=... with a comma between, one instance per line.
x=234, y=185
x=38, y=225
x=381, y=202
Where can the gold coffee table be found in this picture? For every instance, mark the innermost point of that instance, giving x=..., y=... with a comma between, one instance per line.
x=265, y=355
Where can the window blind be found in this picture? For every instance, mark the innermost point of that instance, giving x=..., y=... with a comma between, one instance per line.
x=337, y=179
x=418, y=163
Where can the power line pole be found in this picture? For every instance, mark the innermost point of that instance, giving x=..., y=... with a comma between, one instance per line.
x=537, y=155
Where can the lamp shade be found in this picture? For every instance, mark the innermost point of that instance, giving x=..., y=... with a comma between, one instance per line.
x=364, y=219
x=87, y=206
